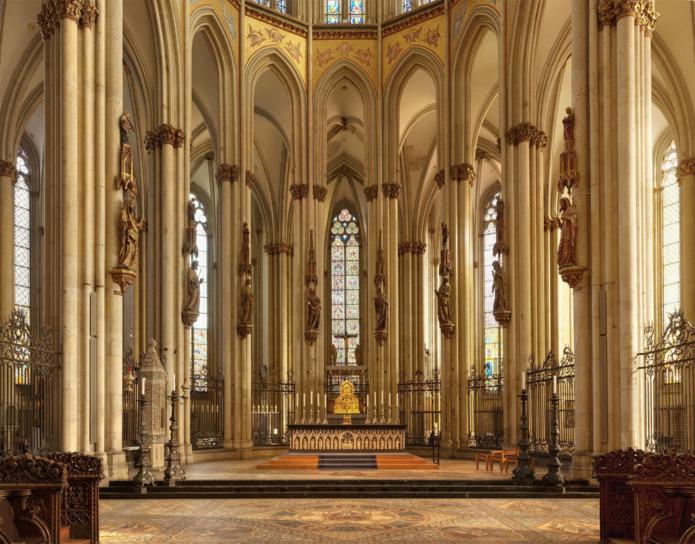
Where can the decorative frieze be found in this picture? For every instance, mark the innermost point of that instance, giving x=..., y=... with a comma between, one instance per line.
x=391, y=190
x=279, y=248
x=412, y=19
x=227, y=172
x=299, y=190
x=320, y=192
x=686, y=167
x=164, y=135
x=371, y=192
x=323, y=33
x=462, y=172
x=276, y=19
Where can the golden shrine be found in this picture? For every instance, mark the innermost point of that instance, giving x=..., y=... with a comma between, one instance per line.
x=346, y=403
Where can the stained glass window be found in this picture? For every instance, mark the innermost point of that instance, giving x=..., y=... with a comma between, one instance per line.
x=22, y=250
x=492, y=332
x=407, y=5
x=332, y=11
x=356, y=12
x=281, y=6
x=670, y=232
x=199, y=330
x=345, y=286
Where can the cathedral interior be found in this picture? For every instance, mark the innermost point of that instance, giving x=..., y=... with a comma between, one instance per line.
x=384, y=271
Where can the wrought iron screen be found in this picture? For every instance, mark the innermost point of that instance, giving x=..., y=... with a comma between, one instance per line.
x=420, y=408
x=207, y=411
x=273, y=406
x=540, y=385
x=29, y=387
x=667, y=371
x=485, y=412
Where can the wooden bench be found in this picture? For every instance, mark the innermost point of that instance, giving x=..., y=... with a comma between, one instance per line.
x=664, y=498
x=30, y=503
x=80, y=500
x=617, y=512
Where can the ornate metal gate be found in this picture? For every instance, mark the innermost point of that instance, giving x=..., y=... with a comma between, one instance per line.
x=420, y=408
x=540, y=384
x=207, y=411
x=485, y=412
x=29, y=387
x=667, y=369
x=273, y=409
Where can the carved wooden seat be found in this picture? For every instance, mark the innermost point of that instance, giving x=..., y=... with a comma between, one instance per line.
x=30, y=499
x=80, y=505
x=612, y=470
x=664, y=493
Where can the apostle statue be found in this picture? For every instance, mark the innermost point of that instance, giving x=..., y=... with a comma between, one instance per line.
x=313, y=303
x=129, y=226
x=358, y=355
x=500, y=246
x=381, y=306
x=190, y=245
x=125, y=126
x=499, y=288
x=192, y=306
x=334, y=355
x=567, y=251
x=443, y=297
x=246, y=303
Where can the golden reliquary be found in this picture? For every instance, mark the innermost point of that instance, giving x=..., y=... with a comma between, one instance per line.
x=346, y=403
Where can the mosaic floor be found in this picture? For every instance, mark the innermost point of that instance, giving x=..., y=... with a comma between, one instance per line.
x=347, y=521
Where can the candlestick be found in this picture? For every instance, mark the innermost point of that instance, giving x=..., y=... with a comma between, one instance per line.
x=523, y=380
x=142, y=385
x=554, y=384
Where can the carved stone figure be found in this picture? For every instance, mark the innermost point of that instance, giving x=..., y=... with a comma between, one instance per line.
x=190, y=245
x=126, y=127
x=499, y=288
x=358, y=354
x=247, y=303
x=313, y=303
x=246, y=247
x=443, y=298
x=334, y=355
x=381, y=307
x=129, y=226
x=500, y=246
x=192, y=306
x=568, y=124
x=567, y=251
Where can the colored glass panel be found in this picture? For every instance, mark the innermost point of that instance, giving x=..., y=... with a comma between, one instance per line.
x=199, y=330
x=492, y=332
x=22, y=251
x=670, y=233
x=332, y=11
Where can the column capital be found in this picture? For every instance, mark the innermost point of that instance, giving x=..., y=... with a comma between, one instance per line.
x=68, y=9
x=278, y=248
x=251, y=179
x=462, y=172
x=391, y=190
x=8, y=170
x=89, y=14
x=299, y=190
x=47, y=19
x=164, y=134
x=414, y=248
x=371, y=192
x=320, y=192
x=439, y=178
x=644, y=12
x=227, y=172
x=523, y=132
x=686, y=167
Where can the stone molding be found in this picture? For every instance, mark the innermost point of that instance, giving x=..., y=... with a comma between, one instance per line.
x=278, y=248
x=412, y=18
x=414, y=248
x=8, y=170
x=391, y=190
x=165, y=134
x=644, y=12
x=258, y=12
x=462, y=172
x=686, y=167
x=371, y=192
x=320, y=192
x=227, y=172
x=299, y=190
x=527, y=132
x=343, y=34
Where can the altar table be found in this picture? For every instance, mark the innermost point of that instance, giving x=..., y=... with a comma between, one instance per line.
x=313, y=437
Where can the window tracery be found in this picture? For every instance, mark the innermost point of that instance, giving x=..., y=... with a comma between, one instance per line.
x=670, y=234
x=492, y=331
x=22, y=236
x=200, y=329
x=339, y=11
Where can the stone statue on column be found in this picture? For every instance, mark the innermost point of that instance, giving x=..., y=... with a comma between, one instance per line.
x=567, y=251
x=446, y=324
x=246, y=303
x=191, y=308
x=334, y=355
x=500, y=306
x=129, y=227
x=313, y=308
x=381, y=305
x=500, y=247
x=313, y=301
x=190, y=244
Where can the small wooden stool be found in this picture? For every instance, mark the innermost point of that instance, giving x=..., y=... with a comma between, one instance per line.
x=482, y=457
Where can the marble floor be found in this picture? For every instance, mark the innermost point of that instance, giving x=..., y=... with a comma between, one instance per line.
x=347, y=521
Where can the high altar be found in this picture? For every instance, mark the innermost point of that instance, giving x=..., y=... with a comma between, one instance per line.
x=348, y=436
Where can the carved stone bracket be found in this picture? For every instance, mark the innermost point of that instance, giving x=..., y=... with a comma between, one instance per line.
x=8, y=170
x=299, y=190
x=227, y=172
x=320, y=192
x=686, y=167
x=527, y=132
x=279, y=248
x=571, y=274
x=251, y=179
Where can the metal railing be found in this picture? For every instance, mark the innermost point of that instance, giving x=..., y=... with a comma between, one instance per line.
x=207, y=411
x=667, y=373
x=29, y=388
x=485, y=411
x=273, y=407
x=539, y=389
x=420, y=405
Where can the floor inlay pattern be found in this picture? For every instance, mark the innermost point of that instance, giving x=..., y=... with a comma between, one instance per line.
x=348, y=521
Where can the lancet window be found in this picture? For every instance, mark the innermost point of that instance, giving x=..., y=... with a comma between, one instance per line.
x=348, y=11
x=22, y=236
x=200, y=329
x=345, y=286
x=670, y=234
x=492, y=331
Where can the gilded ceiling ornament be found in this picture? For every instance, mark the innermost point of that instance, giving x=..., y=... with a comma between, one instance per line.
x=443, y=293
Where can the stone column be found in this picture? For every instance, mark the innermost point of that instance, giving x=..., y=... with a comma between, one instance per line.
x=7, y=177
x=686, y=179
x=391, y=193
